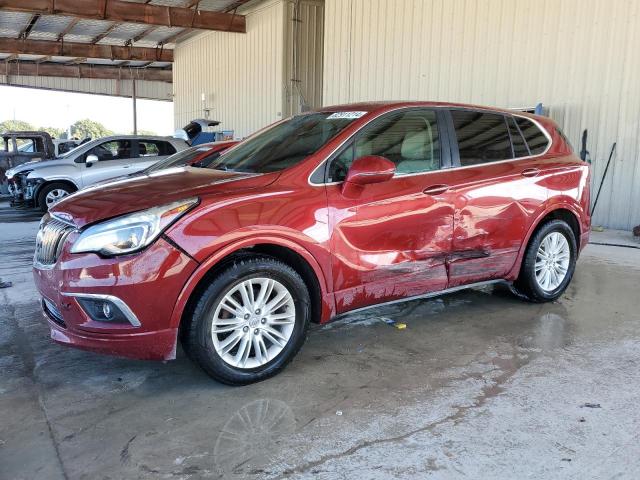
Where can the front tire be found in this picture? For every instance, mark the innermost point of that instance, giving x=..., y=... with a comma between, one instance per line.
x=548, y=264
x=250, y=321
x=51, y=194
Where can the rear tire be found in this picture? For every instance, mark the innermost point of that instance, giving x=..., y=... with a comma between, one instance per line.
x=548, y=264
x=263, y=329
x=52, y=193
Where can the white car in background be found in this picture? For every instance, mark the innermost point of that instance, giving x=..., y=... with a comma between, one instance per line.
x=45, y=183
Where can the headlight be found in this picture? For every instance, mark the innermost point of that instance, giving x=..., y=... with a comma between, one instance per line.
x=130, y=233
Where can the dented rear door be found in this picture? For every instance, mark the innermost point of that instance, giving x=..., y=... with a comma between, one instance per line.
x=495, y=197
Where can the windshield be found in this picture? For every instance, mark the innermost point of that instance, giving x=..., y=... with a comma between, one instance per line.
x=73, y=151
x=180, y=159
x=285, y=144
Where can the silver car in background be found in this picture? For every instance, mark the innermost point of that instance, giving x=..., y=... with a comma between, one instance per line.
x=45, y=183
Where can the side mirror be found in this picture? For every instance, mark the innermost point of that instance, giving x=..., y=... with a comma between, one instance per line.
x=91, y=159
x=366, y=170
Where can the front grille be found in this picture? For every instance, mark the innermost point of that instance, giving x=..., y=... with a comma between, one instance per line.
x=49, y=241
x=52, y=312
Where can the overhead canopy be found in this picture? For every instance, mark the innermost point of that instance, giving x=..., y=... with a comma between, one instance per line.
x=104, y=39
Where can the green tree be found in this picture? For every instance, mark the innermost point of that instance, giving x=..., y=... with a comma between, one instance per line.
x=89, y=128
x=15, y=125
x=54, y=131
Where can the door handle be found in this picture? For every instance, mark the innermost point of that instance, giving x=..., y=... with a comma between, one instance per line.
x=530, y=172
x=126, y=166
x=435, y=189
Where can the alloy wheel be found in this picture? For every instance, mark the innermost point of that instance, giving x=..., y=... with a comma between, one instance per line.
x=253, y=322
x=552, y=261
x=55, y=195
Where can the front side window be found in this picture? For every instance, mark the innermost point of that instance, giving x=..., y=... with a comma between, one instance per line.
x=113, y=150
x=482, y=137
x=409, y=139
x=285, y=144
x=534, y=137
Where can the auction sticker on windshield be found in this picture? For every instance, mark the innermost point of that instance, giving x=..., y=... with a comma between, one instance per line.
x=343, y=115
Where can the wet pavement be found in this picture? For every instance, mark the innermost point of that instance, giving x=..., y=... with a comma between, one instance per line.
x=479, y=385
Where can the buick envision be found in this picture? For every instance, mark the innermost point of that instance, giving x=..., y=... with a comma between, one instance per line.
x=321, y=214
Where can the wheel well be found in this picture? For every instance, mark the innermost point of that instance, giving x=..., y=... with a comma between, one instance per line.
x=284, y=254
x=68, y=183
x=567, y=216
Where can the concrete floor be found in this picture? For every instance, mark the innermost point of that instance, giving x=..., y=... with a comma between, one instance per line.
x=479, y=385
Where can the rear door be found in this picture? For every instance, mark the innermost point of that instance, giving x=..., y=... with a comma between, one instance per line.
x=495, y=181
x=392, y=240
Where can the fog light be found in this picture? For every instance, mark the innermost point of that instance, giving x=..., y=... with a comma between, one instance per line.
x=101, y=310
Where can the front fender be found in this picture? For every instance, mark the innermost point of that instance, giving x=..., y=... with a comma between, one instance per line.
x=327, y=299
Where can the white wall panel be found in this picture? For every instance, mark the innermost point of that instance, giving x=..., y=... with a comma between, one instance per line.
x=240, y=75
x=578, y=57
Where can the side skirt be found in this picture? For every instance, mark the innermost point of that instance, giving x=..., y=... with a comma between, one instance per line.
x=424, y=296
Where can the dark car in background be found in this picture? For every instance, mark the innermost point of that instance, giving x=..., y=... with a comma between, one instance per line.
x=18, y=148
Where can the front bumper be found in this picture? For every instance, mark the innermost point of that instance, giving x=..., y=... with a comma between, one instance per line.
x=148, y=283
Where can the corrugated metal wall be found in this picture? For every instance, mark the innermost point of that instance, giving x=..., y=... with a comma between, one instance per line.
x=580, y=58
x=240, y=75
x=122, y=88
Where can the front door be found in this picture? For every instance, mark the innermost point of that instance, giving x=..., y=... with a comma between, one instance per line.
x=393, y=239
x=114, y=159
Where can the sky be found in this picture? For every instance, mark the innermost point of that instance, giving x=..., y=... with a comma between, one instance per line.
x=47, y=108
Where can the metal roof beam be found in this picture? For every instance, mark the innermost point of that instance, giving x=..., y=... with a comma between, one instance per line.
x=130, y=12
x=70, y=49
x=67, y=29
x=84, y=70
x=27, y=30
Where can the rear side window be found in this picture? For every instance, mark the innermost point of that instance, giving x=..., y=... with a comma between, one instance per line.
x=112, y=150
x=482, y=137
x=520, y=148
x=155, y=148
x=535, y=138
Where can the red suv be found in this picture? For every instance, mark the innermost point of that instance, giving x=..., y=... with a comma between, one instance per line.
x=320, y=214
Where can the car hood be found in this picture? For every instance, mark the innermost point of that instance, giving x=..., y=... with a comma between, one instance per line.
x=26, y=166
x=36, y=166
x=98, y=203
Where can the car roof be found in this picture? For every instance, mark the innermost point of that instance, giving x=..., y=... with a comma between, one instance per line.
x=24, y=133
x=371, y=107
x=139, y=137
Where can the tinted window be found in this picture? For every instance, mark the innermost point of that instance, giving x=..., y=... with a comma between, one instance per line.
x=482, y=137
x=536, y=140
x=520, y=148
x=154, y=148
x=113, y=150
x=284, y=144
x=409, y=139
